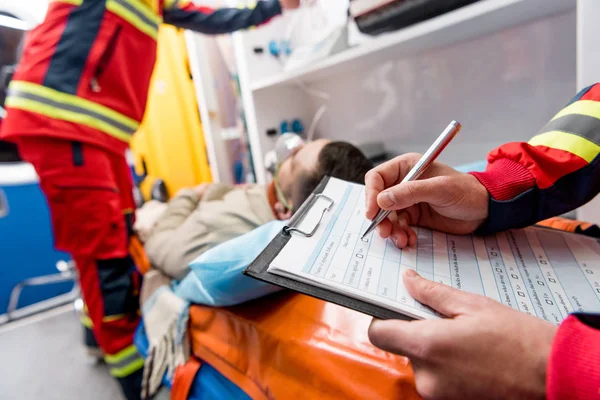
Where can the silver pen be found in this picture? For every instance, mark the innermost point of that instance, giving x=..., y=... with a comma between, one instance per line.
x=429, y=157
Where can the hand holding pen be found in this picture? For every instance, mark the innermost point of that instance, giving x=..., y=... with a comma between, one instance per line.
x=414, y=190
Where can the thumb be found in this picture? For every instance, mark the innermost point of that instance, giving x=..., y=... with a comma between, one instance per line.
x=442, y=298
x=434, y=191
x=395, y=336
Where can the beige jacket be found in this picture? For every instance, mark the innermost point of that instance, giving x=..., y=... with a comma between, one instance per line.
x=189, y=226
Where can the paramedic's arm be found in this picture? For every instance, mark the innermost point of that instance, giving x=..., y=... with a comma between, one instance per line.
x=487, y=350
x=185, y=14
x=557, y=171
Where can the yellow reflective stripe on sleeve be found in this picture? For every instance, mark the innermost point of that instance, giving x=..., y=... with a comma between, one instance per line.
x=73, y=2
x=590, y=108
x=128, y=369
x=54, y=104
x=575, y=129
x=121, y=355
x=574, y=144
x=137, y=14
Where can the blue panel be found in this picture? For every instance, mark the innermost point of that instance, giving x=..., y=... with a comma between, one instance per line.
x=26, y=245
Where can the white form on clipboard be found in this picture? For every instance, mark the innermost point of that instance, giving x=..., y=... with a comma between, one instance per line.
x=541, y=272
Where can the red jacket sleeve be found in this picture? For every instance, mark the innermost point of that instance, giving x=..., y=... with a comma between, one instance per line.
x=557, y=171
x=184, y=14
x=574, y=366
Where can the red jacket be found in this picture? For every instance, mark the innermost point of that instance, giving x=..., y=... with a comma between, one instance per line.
x=85, y=70
x=557, y=171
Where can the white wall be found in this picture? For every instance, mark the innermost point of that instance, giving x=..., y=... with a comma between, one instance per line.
x=502, y=87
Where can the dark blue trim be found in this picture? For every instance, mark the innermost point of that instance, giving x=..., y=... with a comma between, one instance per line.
x=567, y=193
x=223, y=20
x=592, y=319
x=77, y=154
x=579, y=95
x=73, y=48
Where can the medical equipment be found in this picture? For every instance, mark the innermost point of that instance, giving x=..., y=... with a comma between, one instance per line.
x=284, y=146
x=377, y=16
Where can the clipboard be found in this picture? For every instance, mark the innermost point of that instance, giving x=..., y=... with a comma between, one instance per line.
x=258, y=269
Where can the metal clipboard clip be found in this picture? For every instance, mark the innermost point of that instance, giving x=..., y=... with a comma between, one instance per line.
x=304, y=211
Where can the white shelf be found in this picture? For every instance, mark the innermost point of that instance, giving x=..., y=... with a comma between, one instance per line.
x=469, y=22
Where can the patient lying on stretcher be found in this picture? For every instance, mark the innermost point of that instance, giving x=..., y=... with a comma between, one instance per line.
x=198, y=219
x=218, y=230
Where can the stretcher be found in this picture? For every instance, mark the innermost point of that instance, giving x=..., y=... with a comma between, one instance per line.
x=209, y=384
x=267, y=348
x=287, y=345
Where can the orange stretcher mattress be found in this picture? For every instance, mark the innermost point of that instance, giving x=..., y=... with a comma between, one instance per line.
x=293, y=346
x=289, y=345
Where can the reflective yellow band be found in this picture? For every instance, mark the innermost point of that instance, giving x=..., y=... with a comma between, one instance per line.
x=110, y=318
x=121, y=355
x=128, y=369
x=137, y=14
x=67, y=107
x=124, y=362
x=86, y=321
x=582, y=107
x=574, y=144
x=73, y=2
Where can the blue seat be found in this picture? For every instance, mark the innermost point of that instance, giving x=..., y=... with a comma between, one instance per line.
x=26, y=245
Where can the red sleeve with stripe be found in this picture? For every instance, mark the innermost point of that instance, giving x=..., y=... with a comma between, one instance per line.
x=557, y=171
x=185, y=14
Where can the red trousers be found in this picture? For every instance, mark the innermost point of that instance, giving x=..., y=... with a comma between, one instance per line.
x=89, y=193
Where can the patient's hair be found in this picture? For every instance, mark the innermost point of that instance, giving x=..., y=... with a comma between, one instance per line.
x=337, y=159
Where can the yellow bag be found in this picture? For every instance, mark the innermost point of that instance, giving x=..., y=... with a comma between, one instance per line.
x=170, y=142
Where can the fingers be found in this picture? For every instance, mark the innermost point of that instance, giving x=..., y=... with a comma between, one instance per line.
x=374, y=184
x=402, y=234
x=385, y=228
x=384, y=176
x=435, y=191
x=397, y=229
x=442, y=298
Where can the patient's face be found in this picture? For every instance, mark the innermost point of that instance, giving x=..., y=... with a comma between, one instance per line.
x=303, y=160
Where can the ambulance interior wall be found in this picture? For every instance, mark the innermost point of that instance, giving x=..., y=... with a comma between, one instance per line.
x=502, y=87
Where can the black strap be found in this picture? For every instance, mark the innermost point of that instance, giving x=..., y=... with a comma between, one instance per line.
x=77, y=154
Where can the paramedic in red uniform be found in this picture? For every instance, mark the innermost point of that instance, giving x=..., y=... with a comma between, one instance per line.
x=77, y=96
x=485, y=349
